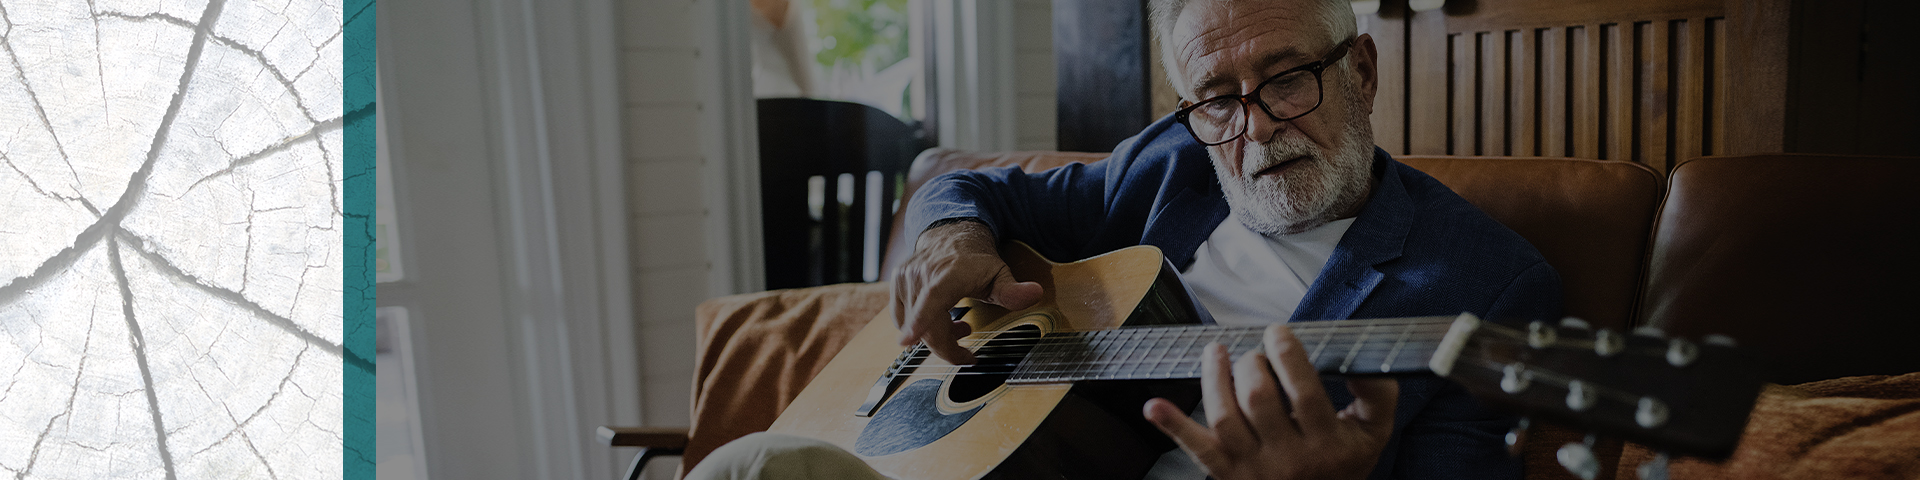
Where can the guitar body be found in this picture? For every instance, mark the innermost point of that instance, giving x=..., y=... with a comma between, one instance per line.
x=937, y=425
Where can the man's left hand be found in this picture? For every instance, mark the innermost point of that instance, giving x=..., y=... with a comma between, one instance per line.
x=1253, y=435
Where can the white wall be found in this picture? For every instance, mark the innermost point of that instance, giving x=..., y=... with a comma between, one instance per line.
x=663, y=121
x=1033, y=75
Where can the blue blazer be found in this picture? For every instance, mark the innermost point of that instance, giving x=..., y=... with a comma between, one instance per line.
x=1416, y=249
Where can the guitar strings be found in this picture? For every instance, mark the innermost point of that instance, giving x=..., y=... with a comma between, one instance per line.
x=1161, y=349
x=1362, y=357
x=1304, y=334
x=1316, y=325
x=1164, y=346
x=1078, y=340
x=1160, y=342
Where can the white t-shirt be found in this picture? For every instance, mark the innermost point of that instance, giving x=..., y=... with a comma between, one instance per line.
x=1245, y=278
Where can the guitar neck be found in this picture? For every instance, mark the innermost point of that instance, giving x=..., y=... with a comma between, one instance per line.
x=1355, y=347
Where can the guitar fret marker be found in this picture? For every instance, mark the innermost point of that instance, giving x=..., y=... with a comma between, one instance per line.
x=1355, y=351
x=1315, y=357
x=1387, y=365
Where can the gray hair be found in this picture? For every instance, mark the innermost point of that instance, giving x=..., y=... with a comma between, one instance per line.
x=1161, y=15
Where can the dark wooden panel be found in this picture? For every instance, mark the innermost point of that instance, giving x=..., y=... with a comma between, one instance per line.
x=1584, y=83
x=1654, y=104
x=1616, y=137
x=1493, y=94
x=1389, y=31
x=1427, y=78
x=1757, y=76
x=1717, y=88
x=1690, y=94
x=1100, y=54
x=1463, y=106
x=1554, y=95
x=1526, y=92
x=1492, y=15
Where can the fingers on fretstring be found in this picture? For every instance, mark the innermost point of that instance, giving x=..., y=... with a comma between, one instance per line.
x=1311, y=408
x=1221, y=400
x=1260, y=399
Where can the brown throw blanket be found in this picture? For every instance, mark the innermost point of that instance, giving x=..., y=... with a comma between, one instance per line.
x=1864, y=427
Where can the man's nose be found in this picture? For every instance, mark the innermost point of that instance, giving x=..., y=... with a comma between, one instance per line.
x=1261, y=128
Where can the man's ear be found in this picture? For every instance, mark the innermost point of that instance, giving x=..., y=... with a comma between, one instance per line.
x=1366, y=65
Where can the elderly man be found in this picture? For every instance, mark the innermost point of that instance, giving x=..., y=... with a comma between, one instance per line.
x=1266, y=191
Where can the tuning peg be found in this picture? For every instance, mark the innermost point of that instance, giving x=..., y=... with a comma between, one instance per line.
x=1654, y=332
x=1651, y=414
x=1518, y=436
x=1606, y=343
x=1514, y=378
x=1580, y=397
x=1681, y=352
x=1578, y=459
x=1541, y=335
x=1575, y=323
x=1655, y=469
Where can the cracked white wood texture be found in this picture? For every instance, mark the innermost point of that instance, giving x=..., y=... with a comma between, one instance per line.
x=170, y=255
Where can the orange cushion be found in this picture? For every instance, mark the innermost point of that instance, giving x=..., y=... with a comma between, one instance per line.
x=780, y=339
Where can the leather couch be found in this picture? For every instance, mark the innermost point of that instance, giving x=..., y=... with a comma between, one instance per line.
x=1805, y=259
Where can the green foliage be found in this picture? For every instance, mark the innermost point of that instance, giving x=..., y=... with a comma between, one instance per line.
x=864, y=35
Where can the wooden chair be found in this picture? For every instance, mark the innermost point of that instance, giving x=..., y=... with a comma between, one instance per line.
x=830, y=173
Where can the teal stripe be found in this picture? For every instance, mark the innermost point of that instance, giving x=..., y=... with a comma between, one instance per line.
x=358, y=290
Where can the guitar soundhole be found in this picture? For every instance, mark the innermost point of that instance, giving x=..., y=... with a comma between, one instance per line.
x=993, y=363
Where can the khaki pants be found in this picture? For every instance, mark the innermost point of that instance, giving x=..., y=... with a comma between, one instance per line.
x=773, y=456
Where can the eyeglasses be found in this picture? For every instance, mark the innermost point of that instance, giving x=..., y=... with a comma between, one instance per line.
x=1288, y=95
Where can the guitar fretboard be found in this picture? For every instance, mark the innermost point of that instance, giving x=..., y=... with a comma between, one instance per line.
x=1396, y=346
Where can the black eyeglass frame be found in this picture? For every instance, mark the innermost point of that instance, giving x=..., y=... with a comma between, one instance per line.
x=1317, y=68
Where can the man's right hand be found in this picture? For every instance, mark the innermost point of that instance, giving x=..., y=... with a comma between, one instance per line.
x=953, y=261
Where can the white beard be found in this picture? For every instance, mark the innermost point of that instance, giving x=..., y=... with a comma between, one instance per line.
x=1318, y=190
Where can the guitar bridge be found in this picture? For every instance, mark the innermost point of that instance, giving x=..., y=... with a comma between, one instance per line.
x=875, y=395
x=883, y=386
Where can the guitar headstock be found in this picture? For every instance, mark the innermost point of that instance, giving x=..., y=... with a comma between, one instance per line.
x=1685, y=396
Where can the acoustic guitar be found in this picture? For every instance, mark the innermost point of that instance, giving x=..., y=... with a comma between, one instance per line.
x=1040, y=400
